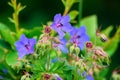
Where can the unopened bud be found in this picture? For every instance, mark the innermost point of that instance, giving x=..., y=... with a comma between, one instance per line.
x=77, y=50
x=72, y=48
x=26, y=77
x=100, y=51
x=47, y=29
x=47, y=76
x=103, y=37
x=98, y=31
x=89, y=45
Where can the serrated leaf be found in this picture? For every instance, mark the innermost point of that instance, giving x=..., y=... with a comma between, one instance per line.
x=6, y=34
x=11, y=58
x=91, y=25
x=73, y=14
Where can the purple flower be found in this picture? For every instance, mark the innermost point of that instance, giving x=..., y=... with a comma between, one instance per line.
x=61, y=24
x=79, y=37
x=25, y=46
x=89, y=77
x=55, y=60
x=57, y=77
x=61, y=45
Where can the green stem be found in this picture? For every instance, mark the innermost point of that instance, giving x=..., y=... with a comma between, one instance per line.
x=16, y=14
x=80, y=11
x=16, y=22
x=66, y=11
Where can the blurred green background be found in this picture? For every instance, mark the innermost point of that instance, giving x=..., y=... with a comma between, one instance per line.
x=39, y=12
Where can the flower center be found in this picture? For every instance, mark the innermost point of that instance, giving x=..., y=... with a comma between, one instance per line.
x=75, y=39
x=59, y=25
x=78, y=36
x=27, y=46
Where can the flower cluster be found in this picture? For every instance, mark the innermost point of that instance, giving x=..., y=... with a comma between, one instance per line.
x=72, y=46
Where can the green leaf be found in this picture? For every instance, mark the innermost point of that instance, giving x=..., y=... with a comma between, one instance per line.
x=107, y=31
x=11, y=58
x=111, y=45
x=56, y=66
x=33, y=32
x=6, y=34
x=69, y=75
x=103, y=72
x=2, y=55
x=91, y=25
x=73, y=14
x=4, y=45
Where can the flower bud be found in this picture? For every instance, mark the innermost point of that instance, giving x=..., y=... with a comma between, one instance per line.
x=26, y=77
x=77, y=50
x=98, y=31
x=47, y=29
x=72, y=48
x=47, y=76
x=100, y=51
x=103, y=37
x=89, y=45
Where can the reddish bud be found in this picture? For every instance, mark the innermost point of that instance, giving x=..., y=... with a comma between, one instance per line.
x=98, y=31
x=47, y=29
x=47, y=76
x=89, y=45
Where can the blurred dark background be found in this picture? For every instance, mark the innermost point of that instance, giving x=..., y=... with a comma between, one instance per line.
x=38, y=12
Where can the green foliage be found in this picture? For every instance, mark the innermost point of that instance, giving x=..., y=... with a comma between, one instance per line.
x=32, y=32
x=111, y=45
x=11, y=58
x=6, y=34
x=2, y=55
x=73, y=14
x=107, y=31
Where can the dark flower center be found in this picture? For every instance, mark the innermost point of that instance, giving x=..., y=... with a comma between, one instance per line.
x=78, y=36
x=75, y=39
x=59, y=25
x=27, y=46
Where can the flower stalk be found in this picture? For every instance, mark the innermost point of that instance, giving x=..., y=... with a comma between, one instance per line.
x=15, y=18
